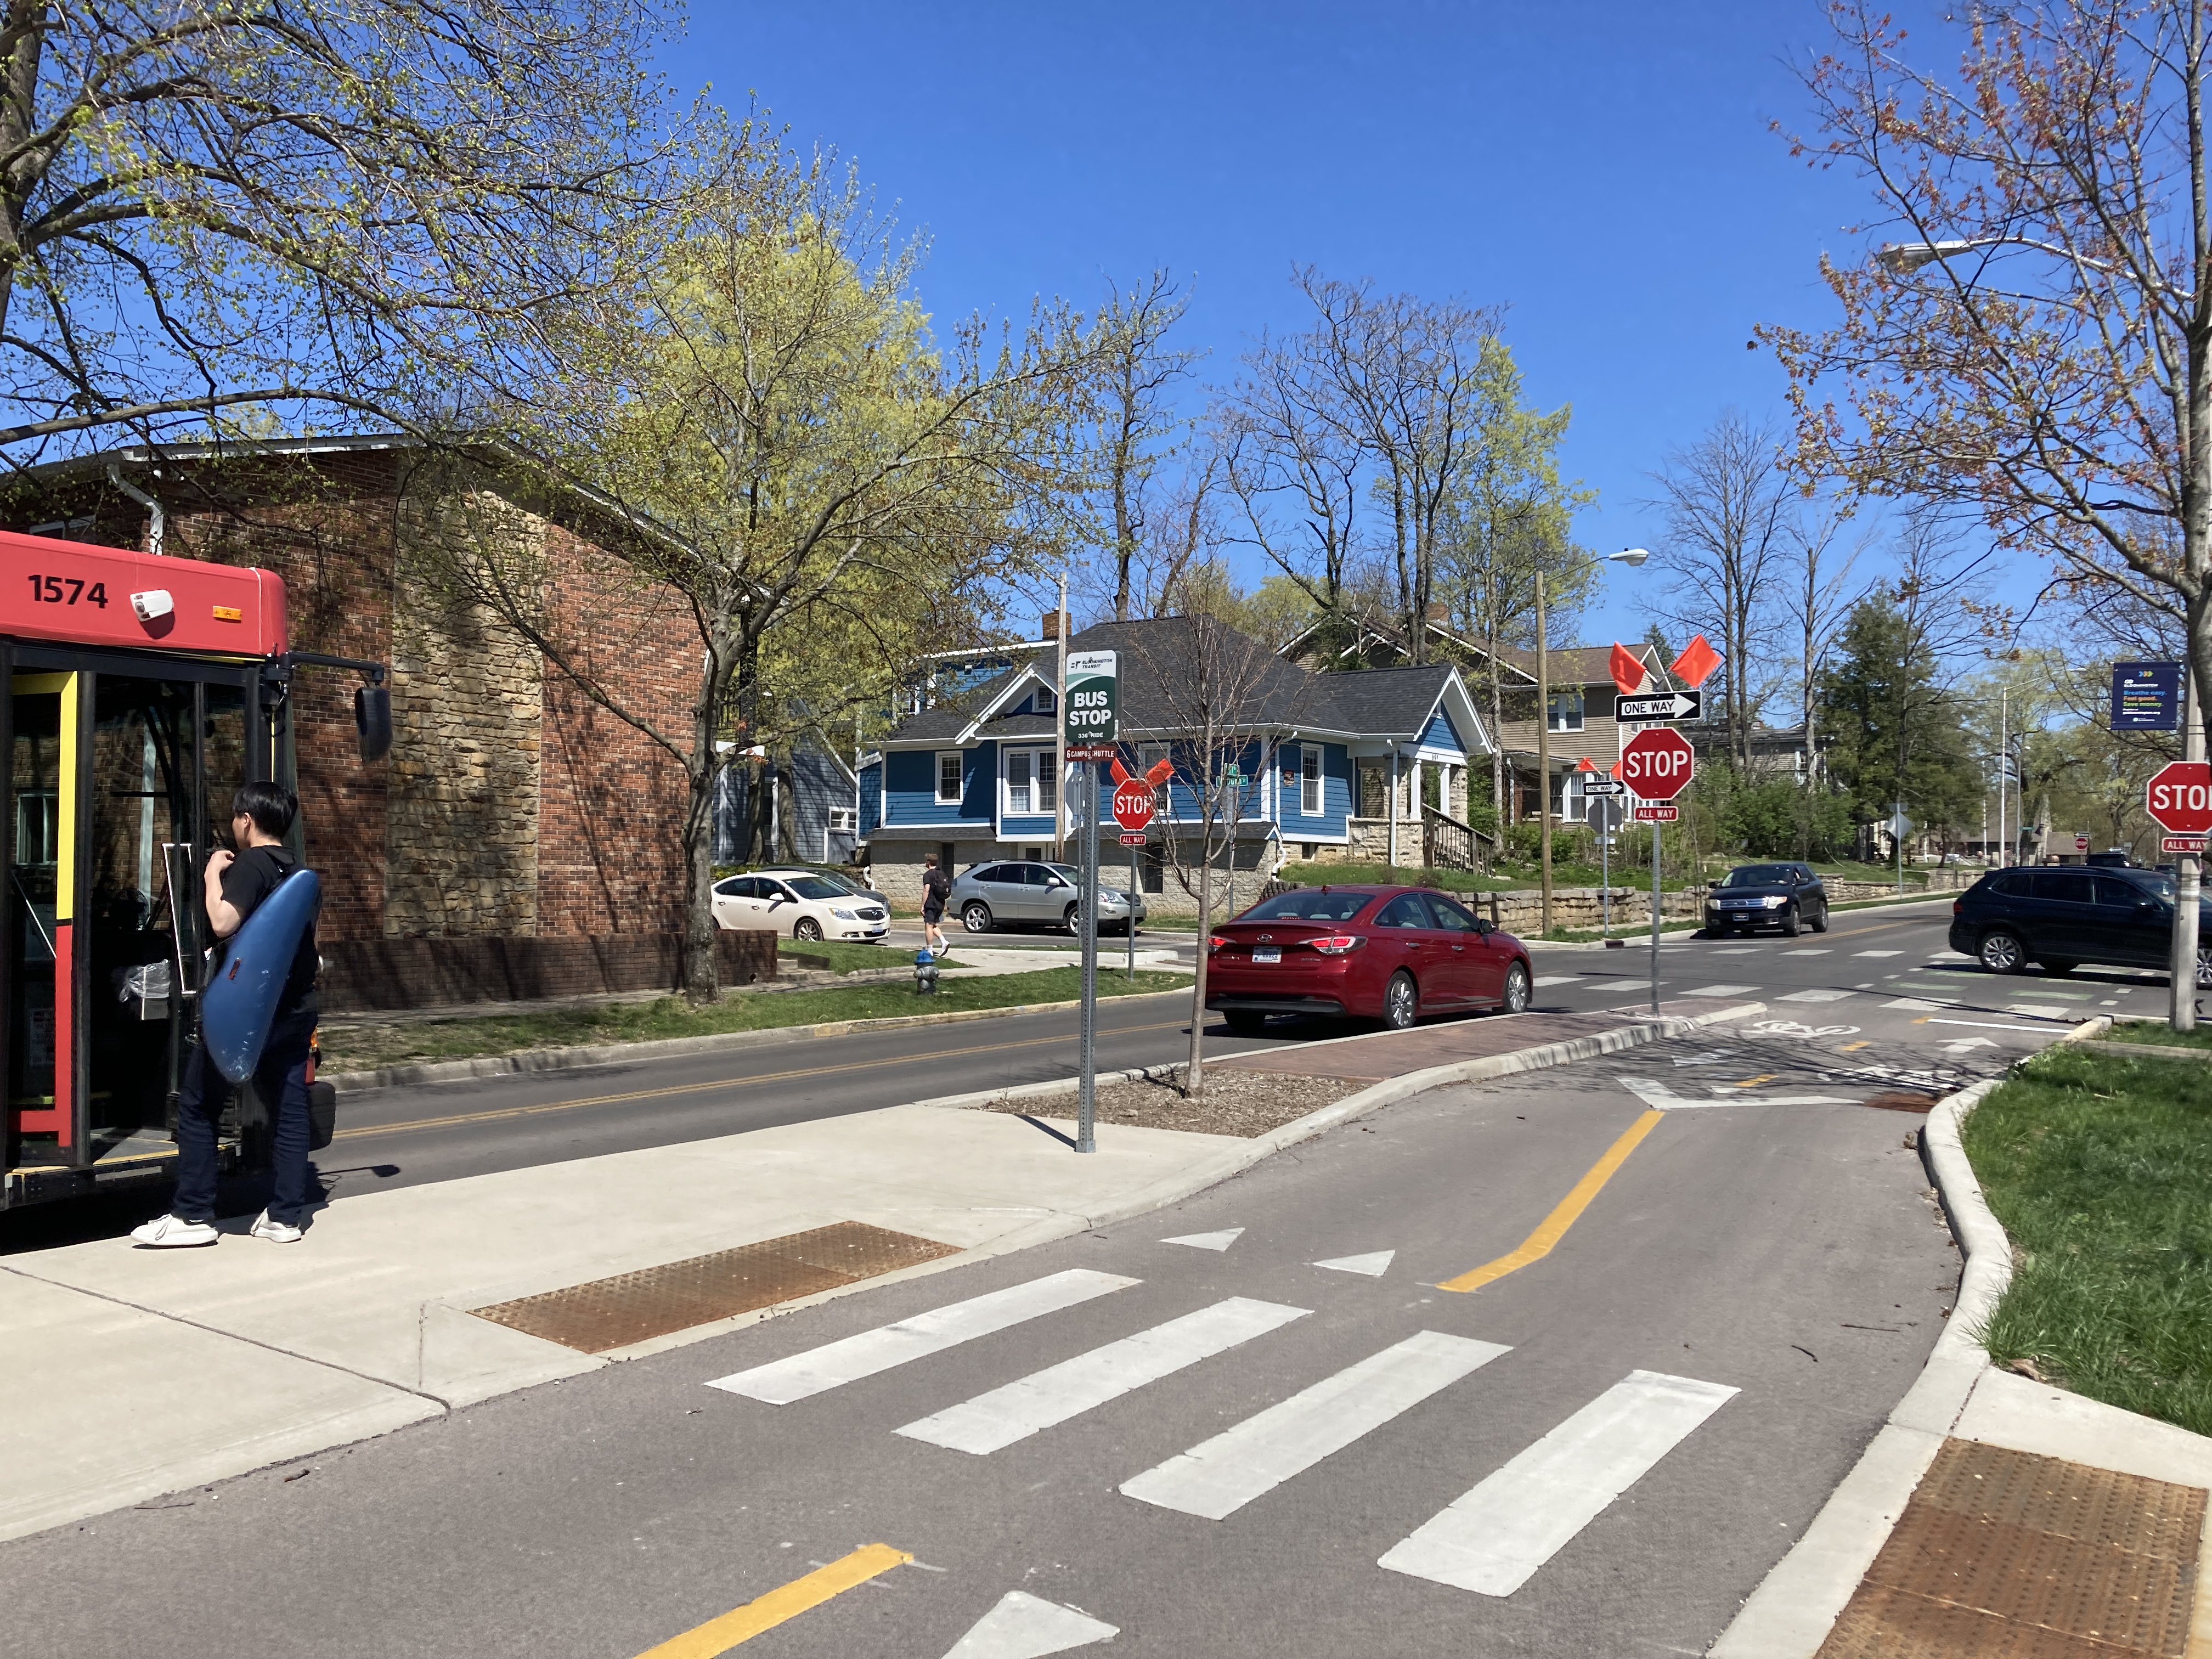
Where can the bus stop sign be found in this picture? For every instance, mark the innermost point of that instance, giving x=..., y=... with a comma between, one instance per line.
x=1093, y=699
x=1658, y=764
x=2180, y=798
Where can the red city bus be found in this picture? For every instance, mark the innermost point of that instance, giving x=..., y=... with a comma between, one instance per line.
x=137, y=693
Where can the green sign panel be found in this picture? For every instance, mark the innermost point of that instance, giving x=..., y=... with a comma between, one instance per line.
x=1091, y=711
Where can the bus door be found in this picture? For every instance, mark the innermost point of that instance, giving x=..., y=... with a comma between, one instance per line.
x=118, y=785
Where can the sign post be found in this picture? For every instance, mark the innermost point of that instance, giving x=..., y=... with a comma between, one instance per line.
x=1658, y=765
x=1133, y=810
x=1089, y=712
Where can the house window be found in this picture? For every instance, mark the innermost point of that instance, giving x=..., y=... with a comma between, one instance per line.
x=1568, y=803
x=948, y=777
x=1047, y=701
x=1030, y=781
x=845, y=818
x=1564, y=711
x=1309, y=796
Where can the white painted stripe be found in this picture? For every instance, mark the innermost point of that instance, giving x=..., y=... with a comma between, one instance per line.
x=1559, y=979
x=1021, y=1408
x=1822, y=995
x=1983, y=1025
x=1493, y=1540
x=1879, y=953
x=1025, y=1627
x=782, y=1381
x=1220, y=1241
x=1374, y=1264
x=1720, y=990
x=2040, y=1010
x=1220, y=1477
x=1820, y=950
x=1627, y=985
x=1736, y=950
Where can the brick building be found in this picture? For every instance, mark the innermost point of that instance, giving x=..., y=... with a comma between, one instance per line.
x=513, y=805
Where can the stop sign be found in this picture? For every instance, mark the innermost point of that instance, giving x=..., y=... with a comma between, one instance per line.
x=1657, y=764
x=2180, y=796
x=1133, y=804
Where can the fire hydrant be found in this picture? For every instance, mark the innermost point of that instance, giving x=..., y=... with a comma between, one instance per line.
x=924, y=973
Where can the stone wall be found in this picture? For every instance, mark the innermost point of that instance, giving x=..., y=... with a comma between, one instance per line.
x=365, y=976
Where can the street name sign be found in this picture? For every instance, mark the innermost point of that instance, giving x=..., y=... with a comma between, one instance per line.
x=2180, y=798
x=1091, y=707
x=1658, y=764
x=1663, y=812
x=2145, y=697
x=1667, y=706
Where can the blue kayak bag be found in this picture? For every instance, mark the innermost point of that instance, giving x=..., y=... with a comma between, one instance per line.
x=238, y=1006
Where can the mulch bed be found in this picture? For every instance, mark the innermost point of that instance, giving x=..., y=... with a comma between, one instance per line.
x=1241, y=1103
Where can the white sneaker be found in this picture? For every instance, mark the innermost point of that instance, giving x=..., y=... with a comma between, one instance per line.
x=276, y=1232
x=173, y=1232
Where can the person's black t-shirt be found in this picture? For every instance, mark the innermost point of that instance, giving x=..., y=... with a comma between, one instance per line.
x=252, y=876
x=935, y=889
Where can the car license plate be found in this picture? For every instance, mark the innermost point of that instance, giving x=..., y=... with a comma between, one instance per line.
x=1266, y=953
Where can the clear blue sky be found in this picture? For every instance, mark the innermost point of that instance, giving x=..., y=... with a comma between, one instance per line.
x=1604, y=169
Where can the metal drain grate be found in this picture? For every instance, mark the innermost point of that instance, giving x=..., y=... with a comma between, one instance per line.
x=2005, y=1554
x=635, y=1307
x=1901, y=1100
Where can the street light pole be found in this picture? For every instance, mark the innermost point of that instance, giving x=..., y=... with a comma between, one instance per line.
x=1631, y=557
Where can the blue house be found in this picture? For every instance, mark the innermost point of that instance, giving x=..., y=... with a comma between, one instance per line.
x=1325, y=767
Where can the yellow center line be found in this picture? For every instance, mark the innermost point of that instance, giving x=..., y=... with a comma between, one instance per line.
x=502, y=1113
x=1853, y=1048
x=1538, y=1244
x=718, y=1636
x=1754, y=1082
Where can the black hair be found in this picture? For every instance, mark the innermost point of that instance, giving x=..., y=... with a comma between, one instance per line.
x=271, y=805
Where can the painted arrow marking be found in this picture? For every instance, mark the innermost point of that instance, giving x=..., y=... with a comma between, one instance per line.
x=1025, y=1627
x=1657, y=1096
x=1220, y=1241
x=1375, y=1264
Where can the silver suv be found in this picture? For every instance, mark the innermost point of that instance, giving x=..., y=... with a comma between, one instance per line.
x=1017, y=891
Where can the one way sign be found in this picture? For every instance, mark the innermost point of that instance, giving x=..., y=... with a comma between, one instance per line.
x=1670, y=706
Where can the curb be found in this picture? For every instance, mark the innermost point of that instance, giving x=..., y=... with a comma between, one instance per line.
x=1678, y=929
x=351, y=1084
x=1795, y=1606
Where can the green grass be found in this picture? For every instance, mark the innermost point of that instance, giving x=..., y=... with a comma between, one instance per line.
x=1510, y=877
x=365, y=1046
x=2157, y=1033
x=2098, y=1168
x=841, y=956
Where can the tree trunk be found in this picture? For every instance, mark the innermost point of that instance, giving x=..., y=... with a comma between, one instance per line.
x=699, y=980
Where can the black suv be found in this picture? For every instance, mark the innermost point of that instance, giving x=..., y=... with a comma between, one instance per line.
x=2062, y=916
x=1785, y=896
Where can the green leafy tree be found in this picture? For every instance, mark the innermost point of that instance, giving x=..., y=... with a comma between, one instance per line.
x=1899, y=734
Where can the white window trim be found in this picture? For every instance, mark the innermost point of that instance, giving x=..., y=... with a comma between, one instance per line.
x=1041, y=773
x=1581, y=719
x=1313, y=782
x=961, y=758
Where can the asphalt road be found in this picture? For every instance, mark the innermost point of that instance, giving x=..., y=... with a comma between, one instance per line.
x=1600, y=1451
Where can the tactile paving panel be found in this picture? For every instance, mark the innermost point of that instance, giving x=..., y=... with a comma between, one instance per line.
x=636, y=1307
x=2005, y=1555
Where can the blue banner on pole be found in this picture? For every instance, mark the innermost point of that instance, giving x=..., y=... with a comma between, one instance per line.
x=2145, y=697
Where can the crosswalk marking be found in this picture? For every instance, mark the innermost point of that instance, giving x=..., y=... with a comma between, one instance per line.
x=1720, y=990
x=1734, y=951
x=1018, y=1410
x=1878, y=953
x=1493, y=1540
x=1819, y=995
x=1025, y=1627
x=1220, y=1241
x=1219, y=1478
x=835, y=1363
x=1559, y=979
x=1374, y=1264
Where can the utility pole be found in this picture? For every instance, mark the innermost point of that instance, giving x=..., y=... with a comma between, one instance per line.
x=1060, y=728
x=1544, y=761
x=2004, y=769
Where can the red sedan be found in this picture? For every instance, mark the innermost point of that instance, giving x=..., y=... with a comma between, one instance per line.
x=1387, y=953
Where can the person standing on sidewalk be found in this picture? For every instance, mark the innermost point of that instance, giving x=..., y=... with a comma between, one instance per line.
x=236, y=884
x=936, y=888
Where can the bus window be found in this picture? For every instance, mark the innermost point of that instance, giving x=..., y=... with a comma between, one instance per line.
x=224, y=759
x=34, y=772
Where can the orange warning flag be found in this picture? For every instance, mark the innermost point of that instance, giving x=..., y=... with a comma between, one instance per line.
x=1697, y=661
x=1585, y=764
x=1627, y=671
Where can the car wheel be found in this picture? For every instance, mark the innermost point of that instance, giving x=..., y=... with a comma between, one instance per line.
x=1791, y=924
x=1071, y=918
x=2059, y=969
x=1245, y=1022
x=806, y=928
x=1820, y=922
x=2002, y=952
x=2204, y=966
x=1516, y=990
x=975, y=917
x=1401, y=1002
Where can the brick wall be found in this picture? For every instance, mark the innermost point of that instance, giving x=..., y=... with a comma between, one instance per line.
x=365, y=976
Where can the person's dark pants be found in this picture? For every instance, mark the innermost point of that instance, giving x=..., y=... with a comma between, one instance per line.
x=281, y=1082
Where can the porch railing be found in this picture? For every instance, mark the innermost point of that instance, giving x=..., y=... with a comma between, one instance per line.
x=1447, y=843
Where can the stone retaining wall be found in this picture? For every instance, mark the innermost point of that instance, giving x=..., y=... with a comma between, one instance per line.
x=363, y=974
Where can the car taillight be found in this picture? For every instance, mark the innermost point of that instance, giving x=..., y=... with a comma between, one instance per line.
x=1958, y=906
x=1215, y=943
x=1335, y=945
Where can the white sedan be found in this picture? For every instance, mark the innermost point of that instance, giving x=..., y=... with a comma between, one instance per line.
x=800, y=903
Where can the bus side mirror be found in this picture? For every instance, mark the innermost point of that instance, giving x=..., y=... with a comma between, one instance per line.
x=372, y=720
